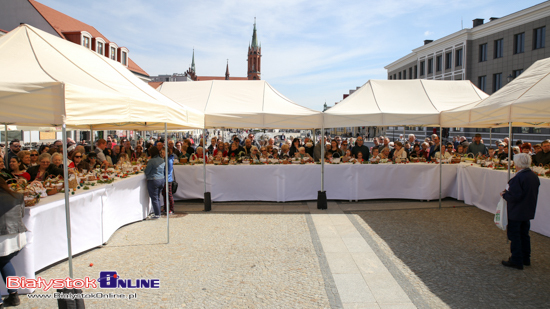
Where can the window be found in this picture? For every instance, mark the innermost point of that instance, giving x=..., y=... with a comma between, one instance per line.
x=499, y=48
x=538, y=37
x=410, y=73
x=389, y=77
x=519, y=42
x=430, y=65
x=394, y=77
x=438, y=63
x=113, y=53
x=86, y=41
x=517, y=73
x=399, y=75
x=482, y=82
x=497, y=82
x=483, y=52
x=448, y=60
x=458, y=58
x=422, y=64
x=124, y=56
x=415, y=71
x=404, y=74
x=100, y=48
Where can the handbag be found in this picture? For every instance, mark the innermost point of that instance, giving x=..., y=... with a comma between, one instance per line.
x=174, y=183
x=501, y=215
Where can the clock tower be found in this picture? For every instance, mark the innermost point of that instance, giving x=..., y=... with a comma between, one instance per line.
x=254, y=57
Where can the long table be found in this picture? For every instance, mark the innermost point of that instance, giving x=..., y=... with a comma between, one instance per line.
x=284, y=183
x=472, y=184
x=95, y=215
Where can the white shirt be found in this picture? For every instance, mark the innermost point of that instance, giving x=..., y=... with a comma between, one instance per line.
x=12, y=242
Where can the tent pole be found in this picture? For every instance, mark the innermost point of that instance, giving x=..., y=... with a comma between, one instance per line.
x=509, y=148
x=67, y=204
x=6, y=162
x=207, y=197
x=440, y=165
x=167, y=206
x=322, y=195
x=92, y=136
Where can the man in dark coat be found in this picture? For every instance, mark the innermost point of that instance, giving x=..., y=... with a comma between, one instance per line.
x=521, y=197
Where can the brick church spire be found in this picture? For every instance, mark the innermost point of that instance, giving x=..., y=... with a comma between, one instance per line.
x=227, y=70
x=254, y=56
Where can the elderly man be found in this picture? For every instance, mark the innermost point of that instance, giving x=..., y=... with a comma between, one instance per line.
x=386, y=144
x=248, y=146
x=360, y=148
x=521, y=197
x=543, y=157
x=252, y=141
x=412, y=139
x=477, y=147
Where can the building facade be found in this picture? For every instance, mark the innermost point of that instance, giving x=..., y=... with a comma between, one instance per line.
x=490, y=54
x=38, y=15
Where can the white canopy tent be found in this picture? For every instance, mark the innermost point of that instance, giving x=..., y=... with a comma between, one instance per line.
x=525, y=102
x=242, y=104
x=47, y=81
x=401, y=102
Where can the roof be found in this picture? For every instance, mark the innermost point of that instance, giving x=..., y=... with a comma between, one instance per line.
x=64, y=23
x=132, y=66
x=203, y=78
x=155, y=84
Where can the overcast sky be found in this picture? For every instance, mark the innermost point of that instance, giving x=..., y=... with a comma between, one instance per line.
x=312, y=51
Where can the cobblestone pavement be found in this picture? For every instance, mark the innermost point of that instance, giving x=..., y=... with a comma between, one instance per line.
x=451, y=258
x=212, y=261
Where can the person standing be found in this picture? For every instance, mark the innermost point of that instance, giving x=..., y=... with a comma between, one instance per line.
x=477, y=147
x=12, y=236
x=171, y=158
x=154, y=172
x=360, y=148
x=521, y=197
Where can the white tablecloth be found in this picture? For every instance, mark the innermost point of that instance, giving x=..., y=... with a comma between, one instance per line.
x=283, y=183
x=481, y=187
x=95, y=215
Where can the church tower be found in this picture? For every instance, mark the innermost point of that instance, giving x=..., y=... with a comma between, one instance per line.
x=254, y=57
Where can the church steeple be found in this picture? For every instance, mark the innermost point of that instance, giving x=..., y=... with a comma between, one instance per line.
x=254, y=36
x=227, y=70
x=254, y=56
x=193, y=62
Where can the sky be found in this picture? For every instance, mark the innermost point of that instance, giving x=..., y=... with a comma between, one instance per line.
x=312, y=51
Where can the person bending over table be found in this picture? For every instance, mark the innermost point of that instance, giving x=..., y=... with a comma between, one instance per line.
x=12, y=236
x=521, y=197
x=154, y=172
x=17, y=168
x=44, y=169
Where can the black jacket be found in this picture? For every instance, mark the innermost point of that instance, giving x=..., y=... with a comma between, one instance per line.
x=522, y=195
x=541, y=157
x=51, y=170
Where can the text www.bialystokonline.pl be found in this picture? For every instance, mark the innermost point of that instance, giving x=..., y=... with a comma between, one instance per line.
x=98, y=295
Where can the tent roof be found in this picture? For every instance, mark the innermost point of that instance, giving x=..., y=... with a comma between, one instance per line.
x=49, y=81
x=401, y=102
x=525, y=102
x=242, y=104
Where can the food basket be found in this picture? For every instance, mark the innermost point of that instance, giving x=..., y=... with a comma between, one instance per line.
x=31, y=200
